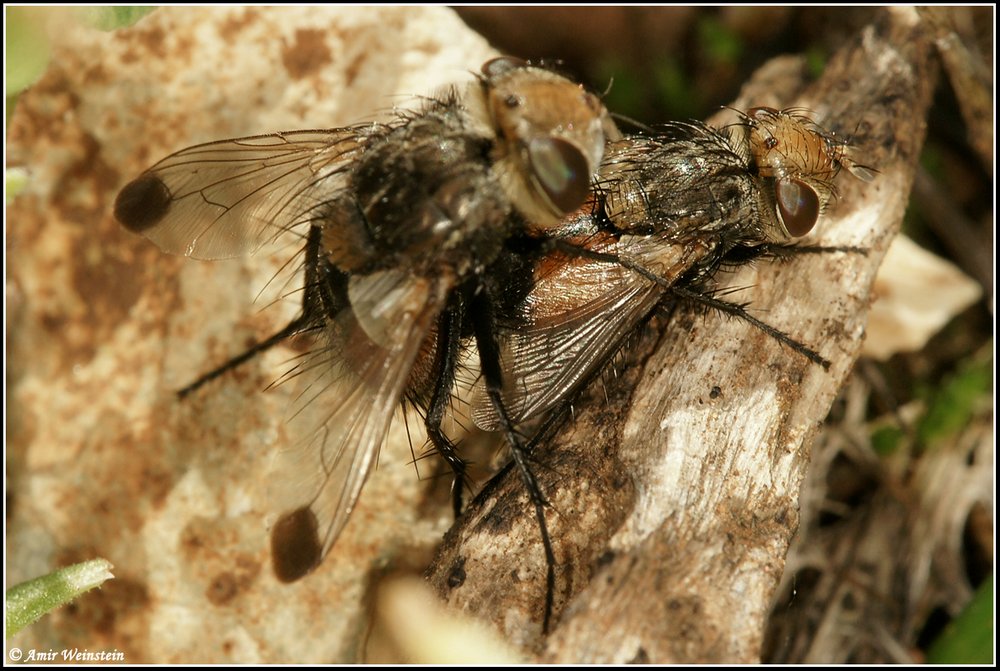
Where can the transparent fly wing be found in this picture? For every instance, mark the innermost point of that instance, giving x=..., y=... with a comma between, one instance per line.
x=228, y=198
x=349, y=390
x=576, y=317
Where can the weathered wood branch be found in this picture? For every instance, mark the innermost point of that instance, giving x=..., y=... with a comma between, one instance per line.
x=674, y=492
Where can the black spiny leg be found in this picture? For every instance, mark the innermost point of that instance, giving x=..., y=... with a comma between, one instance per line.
x=313, y=302
x=744, y=254
x=707, y=300
x=484, y=329
x=740, y=311
x=445, y=363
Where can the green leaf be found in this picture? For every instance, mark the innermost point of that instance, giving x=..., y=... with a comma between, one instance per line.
x=955, y=402
x=625, y=93
x=886, y=439
x=27, y=48
x=720, y=43
x=14, y=181
x=30, y=600
x=816, y=58
x=111, y=18
x=968, y=639
x=674, y=90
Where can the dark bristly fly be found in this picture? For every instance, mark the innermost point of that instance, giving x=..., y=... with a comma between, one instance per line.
x=668, y=212
x=404, y=230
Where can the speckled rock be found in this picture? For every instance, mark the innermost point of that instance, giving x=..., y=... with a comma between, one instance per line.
x=103, y=460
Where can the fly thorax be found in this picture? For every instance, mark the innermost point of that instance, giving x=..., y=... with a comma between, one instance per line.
x=427, y=197
x=462, y=226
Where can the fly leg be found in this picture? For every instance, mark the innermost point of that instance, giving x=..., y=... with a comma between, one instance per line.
x=738, y=256
x=314, y=300
x=742, y=255
x=484, y=330
x=739, y=310
x=445, y=364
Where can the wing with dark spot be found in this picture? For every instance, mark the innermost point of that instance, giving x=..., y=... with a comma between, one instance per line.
x=350, y=388
x=228, y=198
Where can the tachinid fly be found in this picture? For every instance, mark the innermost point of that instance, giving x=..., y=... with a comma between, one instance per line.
x=669, y=210
x=404, y=228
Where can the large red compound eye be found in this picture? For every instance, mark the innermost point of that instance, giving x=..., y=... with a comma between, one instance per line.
x=561, y=169
x=798, y=206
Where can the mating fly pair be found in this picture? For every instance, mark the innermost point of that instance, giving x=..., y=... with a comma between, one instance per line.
x=510, y=218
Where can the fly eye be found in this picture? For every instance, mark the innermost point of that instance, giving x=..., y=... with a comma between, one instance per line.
x=501, y=65
x=562, y=171
x=798, y=206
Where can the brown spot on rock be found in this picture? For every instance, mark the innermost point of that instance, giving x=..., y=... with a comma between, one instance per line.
x=230, y=28
x=307, y=54
x=227, y=585
x=222, y=589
